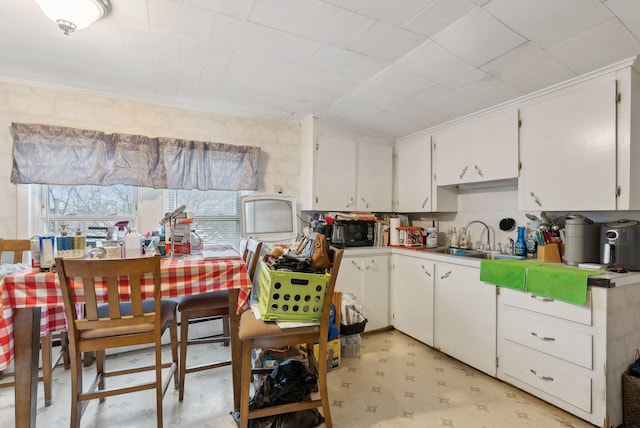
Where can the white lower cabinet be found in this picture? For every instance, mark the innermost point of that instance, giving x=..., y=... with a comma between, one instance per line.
x=367, y=277
x=465, y=316
x=570, y=355
x=412, y=297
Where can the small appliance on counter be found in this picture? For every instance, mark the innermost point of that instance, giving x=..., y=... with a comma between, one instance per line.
x=356, y=233
x=620, y=244
x=582, y=240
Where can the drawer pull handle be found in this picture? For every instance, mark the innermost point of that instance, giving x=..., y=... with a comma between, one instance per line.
x=445, y=275
x=370, y=265
x=542, y=299
x=544, y=378
x=353, y=262
x=546, y=339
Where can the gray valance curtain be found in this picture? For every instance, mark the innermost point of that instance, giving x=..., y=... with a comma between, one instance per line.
x=47, y=154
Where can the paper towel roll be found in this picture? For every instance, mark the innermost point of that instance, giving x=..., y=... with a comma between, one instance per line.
x=394, y=224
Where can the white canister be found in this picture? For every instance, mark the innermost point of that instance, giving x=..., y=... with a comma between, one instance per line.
x=432, y=237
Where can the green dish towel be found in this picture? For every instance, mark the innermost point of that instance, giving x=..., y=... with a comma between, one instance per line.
x=560, y=282
x=505, y=273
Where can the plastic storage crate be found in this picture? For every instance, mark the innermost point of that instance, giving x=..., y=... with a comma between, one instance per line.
x=291, y=296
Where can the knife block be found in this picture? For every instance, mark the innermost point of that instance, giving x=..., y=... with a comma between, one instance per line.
x=549, y=253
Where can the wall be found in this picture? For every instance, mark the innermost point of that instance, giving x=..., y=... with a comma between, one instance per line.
x=278, y=139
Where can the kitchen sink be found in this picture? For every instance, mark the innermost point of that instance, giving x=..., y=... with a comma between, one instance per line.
x=475, y=254
x=494, y=256
x=455, y=252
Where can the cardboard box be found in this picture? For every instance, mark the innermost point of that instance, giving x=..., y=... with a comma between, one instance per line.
x=333, y=353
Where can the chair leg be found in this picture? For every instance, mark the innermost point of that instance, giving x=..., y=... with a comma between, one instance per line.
x=226, y=328
x=173, y=334
x=76, y=389
x=159, y=382
x=245, y=382
x=184, y=338
x=64, y=348
x=100, y=355
x=45, y=349
x=324, y=394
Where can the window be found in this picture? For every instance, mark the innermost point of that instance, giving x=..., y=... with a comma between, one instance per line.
x=86, y=207
x=216, y=213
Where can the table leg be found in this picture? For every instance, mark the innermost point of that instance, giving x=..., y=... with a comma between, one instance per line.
x=26, y=343
x=234, y=324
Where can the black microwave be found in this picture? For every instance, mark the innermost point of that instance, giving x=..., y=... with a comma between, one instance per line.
x=358, y=233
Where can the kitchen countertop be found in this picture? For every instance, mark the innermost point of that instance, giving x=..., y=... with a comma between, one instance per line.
x=607, y=279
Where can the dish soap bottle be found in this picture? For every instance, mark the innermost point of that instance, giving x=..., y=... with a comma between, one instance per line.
x=454, y=238
x=521, y=243
x=133, y=244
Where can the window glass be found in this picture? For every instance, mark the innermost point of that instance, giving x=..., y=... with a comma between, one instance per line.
x=216, y=213
x=91, y=208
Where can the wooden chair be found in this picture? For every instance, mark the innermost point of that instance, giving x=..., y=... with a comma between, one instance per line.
x=18, y=247
x=256, y=333
x=124, y=321
x=208, y=307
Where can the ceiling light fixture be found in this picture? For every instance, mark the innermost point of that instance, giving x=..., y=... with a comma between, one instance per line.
x=72, y=15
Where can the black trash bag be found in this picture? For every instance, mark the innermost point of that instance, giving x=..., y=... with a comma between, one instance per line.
x=290, y=382
x=309, y=418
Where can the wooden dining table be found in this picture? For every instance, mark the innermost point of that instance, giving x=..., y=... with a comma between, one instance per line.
x=29, y=293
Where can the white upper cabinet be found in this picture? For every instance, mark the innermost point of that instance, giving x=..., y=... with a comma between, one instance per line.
x=343, y=170
x=568, y=149
x=335, y=181
x=477, y=150
x=375, y=177
x=413, y=174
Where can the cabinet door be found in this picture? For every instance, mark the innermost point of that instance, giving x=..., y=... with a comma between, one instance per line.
x=568, y=151
x=465, y=316
x=494, y=152
x=412, y=297
x=335, y=180
x=375, y=177
x=452, y=155
x=413, y=174
x=375, y=280
x=350, y=277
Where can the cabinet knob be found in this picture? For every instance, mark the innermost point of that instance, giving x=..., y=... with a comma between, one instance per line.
x=479, y=171
x=464, y=171
x=535, y=199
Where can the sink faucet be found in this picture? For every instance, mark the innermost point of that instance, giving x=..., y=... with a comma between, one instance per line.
x=486, y=227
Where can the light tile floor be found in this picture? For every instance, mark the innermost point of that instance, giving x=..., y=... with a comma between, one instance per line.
x=397, y=382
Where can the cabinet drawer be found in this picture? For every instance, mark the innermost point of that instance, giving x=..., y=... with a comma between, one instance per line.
x=547, y=306
x=547, y=374
x=558, y=341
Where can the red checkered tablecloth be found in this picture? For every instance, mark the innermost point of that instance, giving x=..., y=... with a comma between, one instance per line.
x=179, y=277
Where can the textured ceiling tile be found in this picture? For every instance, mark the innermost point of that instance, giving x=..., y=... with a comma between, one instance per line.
x=364, y=67
x=312, y=19
x=350, y=109
x=439, y=15
x=488, y=92
x=596, y=47
x=401, y=81
x=382, y=98
x=149, y=42
x=397, y=12
x=334, y=82
x=628, y=11
x=435, y=63
x=235, y=8
x=166, y=16
x=270, y=68
x=207, y=55
x=446, y=101
x=548, y=22
x=385, y=41
x=478, y=38
x=528, y=68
